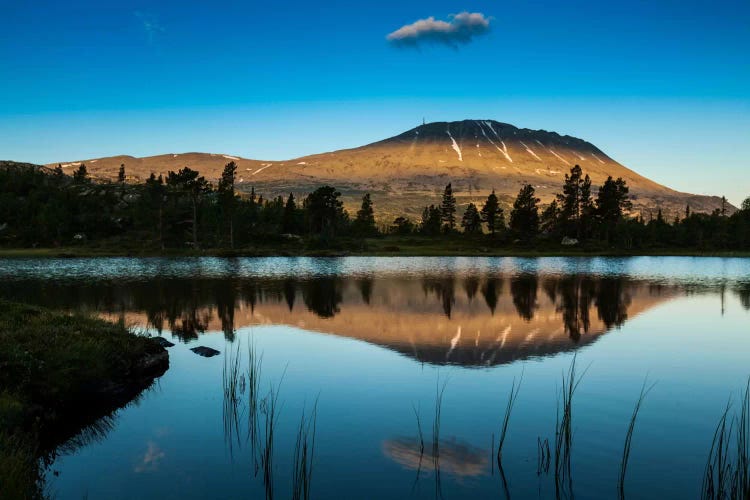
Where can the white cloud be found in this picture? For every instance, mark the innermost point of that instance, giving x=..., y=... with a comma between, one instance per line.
x=460, y=28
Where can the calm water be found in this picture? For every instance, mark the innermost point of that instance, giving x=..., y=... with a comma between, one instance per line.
x=371, y=339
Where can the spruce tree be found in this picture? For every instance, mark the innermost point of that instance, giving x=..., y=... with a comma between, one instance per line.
x=549, y=219
x=611, y=203
x=364, y=223
x=492, y=214
x=155, y=195
x=431, y=220
x=472, y=221
x=189, y=183
x=576, y=207
x=448, y=209
x=401, y=225
x=325, y=211
x=289, y=217
x=227, y=199
x=80, y=176
x=524, y=218
x=121, y=174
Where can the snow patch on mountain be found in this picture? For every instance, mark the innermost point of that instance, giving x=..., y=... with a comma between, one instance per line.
x=559, y=157
x=529, y=150
x=455, y=145
x=265, y=166
x=597, y=158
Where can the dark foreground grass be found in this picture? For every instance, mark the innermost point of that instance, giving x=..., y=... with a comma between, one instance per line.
x=59, y=373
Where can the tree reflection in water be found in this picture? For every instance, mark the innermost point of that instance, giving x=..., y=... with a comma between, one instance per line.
x=420, y=317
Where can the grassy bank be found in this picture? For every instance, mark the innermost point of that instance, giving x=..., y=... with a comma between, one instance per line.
x=405, y=246
x=59, y=373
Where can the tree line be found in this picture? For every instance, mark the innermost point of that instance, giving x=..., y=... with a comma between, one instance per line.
x=45, y=208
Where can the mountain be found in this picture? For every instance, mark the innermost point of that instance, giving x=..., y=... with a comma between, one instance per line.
x=406, y=172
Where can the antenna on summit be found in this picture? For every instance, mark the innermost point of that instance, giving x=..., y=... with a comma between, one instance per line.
x=423, y=122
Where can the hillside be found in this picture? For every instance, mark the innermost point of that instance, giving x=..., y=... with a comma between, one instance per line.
x=406, y=172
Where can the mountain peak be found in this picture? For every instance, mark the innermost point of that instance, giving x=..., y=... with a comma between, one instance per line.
x=408, y=171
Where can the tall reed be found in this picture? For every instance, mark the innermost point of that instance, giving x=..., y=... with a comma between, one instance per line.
x=255, y=364
x=727, y=472
x=304, y=452
x=506, y=417
x=232, y=381
x=270, y=412
x=629, y=437
x=564, y=428
x=439, y=392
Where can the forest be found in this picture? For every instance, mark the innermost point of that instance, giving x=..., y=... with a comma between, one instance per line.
x=46, y=208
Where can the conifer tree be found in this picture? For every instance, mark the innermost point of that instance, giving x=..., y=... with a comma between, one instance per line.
x=121, y=174
x=611, y=204
x=576, y=207
x=492, y=214
x=227, y=199
x=187, y=182
x=155, y=194
x=549, y=222
x=289, y=217
x=448, y=209
x=325, y=211
x=80, y=176
x=364, y=223
x=401, y=225
x=431, y=220
x=472, y=221
x=524, y=218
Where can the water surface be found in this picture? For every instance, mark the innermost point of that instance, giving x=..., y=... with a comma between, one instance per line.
x=372, y=339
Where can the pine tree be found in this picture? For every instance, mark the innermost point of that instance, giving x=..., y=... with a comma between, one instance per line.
x=576, y=207
x=121, y=174
x=402, y=226
x=549, y=220
x=155, y=190
x=611, y=204
x=472, y=221
x=325, y=211
x=58, y=171
x=492, y=214
x=187, y=181
x=448, y=209
x=524, y=218
x=431, y=220
x=227, y=199
x=687, y=211
x=364, y=223
x=289, y=217
x=80, y=176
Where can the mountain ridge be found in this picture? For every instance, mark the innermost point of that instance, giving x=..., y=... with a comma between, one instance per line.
x=405, y=172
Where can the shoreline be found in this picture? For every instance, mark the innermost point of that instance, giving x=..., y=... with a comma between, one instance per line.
x=83, y=252
x=59, y=375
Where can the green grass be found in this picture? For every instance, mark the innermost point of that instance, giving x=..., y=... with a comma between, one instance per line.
x=59, y=372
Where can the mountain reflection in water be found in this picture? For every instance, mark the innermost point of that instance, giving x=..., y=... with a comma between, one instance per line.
x=468, y=319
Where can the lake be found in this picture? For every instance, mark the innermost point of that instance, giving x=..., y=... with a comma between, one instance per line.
x=369, y=354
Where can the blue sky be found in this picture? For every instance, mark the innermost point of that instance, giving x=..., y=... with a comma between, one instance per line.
x=661, y=86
